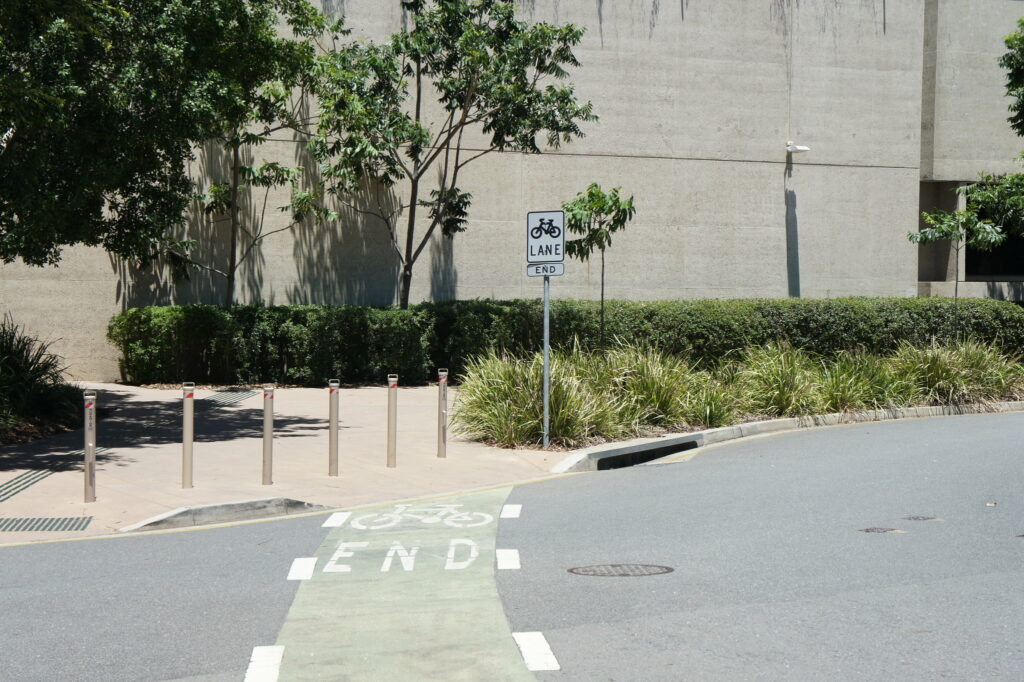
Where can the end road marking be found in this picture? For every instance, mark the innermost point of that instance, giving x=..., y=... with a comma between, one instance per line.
x=265, y=664
x=511, y=511
x=302, y=569
x=508, y=559
x=536, y=652
x=336, y=520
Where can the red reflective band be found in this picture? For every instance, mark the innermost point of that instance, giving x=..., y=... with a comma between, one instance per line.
x=88, y=405
x=268, y=395
x=334, y=390
x=189, y=395
x=394, y=385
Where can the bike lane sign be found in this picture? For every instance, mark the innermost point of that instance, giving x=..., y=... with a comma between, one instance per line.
x=545, y=237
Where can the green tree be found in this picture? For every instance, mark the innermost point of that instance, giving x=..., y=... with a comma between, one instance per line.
x=463, y=79
x=596, y=215
x=102, y=102
x=961, y=227
x=1013, y=62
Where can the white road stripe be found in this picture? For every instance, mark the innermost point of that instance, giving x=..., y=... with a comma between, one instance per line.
x=265, y=664
x=507, y=558
x=336, y=520
x=302, y=569
x=511, y=511
x=536, y=652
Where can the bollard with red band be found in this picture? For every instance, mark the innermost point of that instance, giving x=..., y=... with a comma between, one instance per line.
x=89, y=397
x=334, y=386
x=268, y=434
x=442, y=413
x=392, y=419
x=188, y=394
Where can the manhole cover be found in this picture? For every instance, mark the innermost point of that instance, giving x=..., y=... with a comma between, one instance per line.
x=880, y=530
x=920, y=518
x=620, y=570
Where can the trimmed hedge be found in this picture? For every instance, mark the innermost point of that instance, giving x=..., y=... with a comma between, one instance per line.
x=307, y=344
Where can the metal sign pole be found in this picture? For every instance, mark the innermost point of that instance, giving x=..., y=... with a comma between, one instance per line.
x=268, y=434
x=89, y=396
x=547, y=352
x=392, y=418
x=188, y=393
x=442, y=413
x=332, y=457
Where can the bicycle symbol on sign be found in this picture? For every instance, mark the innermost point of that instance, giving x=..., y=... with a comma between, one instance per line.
x=548, y=227
x=449, y=514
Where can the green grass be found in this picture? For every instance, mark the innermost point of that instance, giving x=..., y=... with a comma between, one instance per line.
x=636, y=390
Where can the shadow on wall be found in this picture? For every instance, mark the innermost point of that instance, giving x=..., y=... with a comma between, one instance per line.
x=156, y=284
x=792, y=233
x=1005, y=291
x=443, y=277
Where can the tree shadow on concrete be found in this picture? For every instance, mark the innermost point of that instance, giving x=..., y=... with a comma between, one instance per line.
x=124, y=423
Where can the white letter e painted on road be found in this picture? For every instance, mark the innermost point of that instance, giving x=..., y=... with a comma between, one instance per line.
x=342, y=552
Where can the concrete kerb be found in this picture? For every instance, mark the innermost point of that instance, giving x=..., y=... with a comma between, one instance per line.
x=208, y=514
x=650, y=450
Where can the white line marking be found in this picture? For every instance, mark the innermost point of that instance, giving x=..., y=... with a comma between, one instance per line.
x=302, y=569
x=265, y=664
x=507, y=559
x=536, y=652
x=511, y=511
x=336, y=520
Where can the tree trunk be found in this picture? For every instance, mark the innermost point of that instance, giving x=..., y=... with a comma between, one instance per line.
x=410, y=234
x=236, y=170
x=601, y=337
x=956, y=295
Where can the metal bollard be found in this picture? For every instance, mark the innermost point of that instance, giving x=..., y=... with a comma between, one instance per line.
x=268, y=434
x=392, y=418
x=332, y=420
x=442, y=413
x=89, y=397
x=188, y=394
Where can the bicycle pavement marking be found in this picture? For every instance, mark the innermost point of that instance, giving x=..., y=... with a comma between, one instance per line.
x=406, y=592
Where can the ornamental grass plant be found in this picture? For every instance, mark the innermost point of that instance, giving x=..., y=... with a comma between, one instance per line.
x=34, y=399
x=630, y=390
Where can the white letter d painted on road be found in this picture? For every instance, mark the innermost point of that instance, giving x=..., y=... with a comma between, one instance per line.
x=452, y=564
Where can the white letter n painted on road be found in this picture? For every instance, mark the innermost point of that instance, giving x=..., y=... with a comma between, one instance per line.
x=452, y=564
x=406, y=556
x=342, y=552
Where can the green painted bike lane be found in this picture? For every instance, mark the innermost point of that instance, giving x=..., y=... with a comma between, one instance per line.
x=405, y=593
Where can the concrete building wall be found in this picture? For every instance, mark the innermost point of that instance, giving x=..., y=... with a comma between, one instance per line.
x=965, y=108
x=697, y=100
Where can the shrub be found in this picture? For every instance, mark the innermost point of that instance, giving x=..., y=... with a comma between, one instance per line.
x=33, y=396
x=308, y=344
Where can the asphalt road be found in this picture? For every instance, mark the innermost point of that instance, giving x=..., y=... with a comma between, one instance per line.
x=188, y=605
x=773, y=577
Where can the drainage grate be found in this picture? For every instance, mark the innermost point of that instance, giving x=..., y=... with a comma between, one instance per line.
x=224, y=398
x=620, y=570
x=921, y=518
x=15, y=524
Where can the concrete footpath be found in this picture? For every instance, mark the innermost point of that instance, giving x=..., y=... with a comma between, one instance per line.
x=139, y=460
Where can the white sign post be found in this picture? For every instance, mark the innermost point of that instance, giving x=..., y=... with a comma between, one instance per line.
x=545, y=257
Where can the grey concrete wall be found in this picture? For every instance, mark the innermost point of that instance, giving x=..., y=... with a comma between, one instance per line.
x=697, y=100
x=965, y=110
